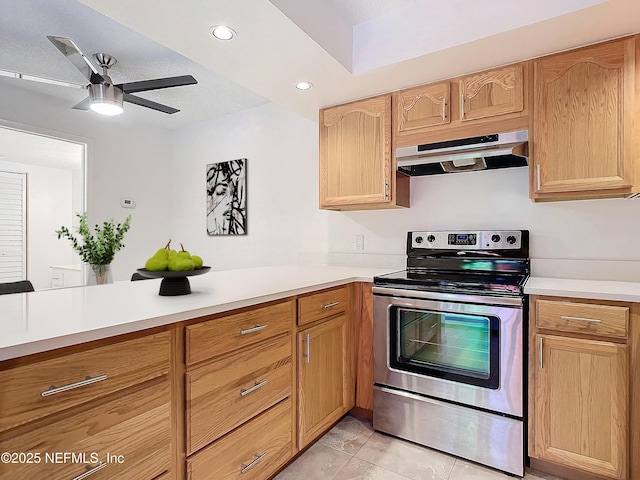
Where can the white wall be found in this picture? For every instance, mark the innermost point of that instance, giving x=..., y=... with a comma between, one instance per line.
x=124, y=159
x=49, y=199
x=281, y=149
x=588, y=229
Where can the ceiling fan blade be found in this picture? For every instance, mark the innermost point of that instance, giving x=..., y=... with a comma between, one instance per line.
x=73, y=53
x=82, y=104
x=143, y=102
x=34, y=78
x=145, y=85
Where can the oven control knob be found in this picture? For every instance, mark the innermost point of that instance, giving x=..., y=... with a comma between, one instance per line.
x=419, y=239
x=511, y=239
x=495, y=238
x=431, y=238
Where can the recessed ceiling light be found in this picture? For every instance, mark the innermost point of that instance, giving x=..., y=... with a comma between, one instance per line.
x=222, y=32
x=304, y=85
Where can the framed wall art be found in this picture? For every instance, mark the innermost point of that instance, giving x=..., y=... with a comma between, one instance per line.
x=227, y=197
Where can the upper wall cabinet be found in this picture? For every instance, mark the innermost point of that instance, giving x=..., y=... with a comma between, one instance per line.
x=357, y=168
x=482, y=103
x=583, y=123
x=492, y=93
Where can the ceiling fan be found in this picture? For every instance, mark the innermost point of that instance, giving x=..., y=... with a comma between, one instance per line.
x=105, y=97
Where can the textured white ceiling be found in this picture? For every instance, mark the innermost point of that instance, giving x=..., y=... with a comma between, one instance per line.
x=24, y=48
x=275, y=49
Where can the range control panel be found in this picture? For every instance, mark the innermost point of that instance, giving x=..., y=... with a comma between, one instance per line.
x=468, y=240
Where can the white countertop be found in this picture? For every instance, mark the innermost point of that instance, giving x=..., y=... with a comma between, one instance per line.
x=48, y=319
x=594, y=289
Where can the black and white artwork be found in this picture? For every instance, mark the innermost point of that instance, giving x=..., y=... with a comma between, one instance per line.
x=227, y=198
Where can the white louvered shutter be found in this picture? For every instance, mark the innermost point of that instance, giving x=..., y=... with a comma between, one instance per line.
x=13, y=226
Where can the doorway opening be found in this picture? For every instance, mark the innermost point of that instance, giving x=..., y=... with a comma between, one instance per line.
x=51, y=174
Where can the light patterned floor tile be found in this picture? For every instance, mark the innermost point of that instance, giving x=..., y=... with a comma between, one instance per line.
x=318, y=463
x=349, y=435
x=405, y=458
x=358, y=469
x=470, y=471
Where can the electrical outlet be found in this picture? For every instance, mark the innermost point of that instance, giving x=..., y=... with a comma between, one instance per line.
x=359, y=243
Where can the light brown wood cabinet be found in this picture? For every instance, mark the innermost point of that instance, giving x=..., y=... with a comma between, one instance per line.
x=108, y=403
x=482, y=103
x=326, y=363
x=357, y=168
x=583, y=133
x=581, y=396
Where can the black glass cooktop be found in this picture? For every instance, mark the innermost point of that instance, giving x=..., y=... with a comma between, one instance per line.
x=493, y=283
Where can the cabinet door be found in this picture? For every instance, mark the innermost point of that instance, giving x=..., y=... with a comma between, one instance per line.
x=581, y=395
x=583, y=118
x=491, y=93
x=422, y=107
x=355, y=153
x=322, y=369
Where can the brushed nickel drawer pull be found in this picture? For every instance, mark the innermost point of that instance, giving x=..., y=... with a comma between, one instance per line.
x=538, y=175
x=329, y=305
x=257, y=385
x=462, y=107
x=87, y=381
x=444, y=109
x=257, y=328
x=580, y=319
x=246, y=468
x=90, y=472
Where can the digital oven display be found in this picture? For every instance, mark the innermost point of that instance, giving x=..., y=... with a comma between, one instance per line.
x=462, y=239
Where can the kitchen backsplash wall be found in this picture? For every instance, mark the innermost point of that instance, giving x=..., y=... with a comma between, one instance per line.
x=587, y=229
x=281, y=149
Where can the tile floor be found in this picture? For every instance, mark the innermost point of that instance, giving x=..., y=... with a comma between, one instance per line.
x=353, y=451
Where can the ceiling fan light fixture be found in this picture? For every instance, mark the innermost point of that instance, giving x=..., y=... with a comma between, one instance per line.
x=222, y=32
x=106, y=99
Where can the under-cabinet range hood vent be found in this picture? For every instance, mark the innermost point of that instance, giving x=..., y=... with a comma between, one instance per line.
x=488, y=152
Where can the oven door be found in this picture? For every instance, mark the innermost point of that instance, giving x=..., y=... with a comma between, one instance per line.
x=450, y=349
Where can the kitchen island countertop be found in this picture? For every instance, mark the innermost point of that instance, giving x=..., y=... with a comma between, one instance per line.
x=48, y=319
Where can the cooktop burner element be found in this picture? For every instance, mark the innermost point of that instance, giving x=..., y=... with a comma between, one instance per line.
x=471, y=262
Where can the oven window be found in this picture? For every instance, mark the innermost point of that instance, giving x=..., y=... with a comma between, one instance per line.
x=455, y=346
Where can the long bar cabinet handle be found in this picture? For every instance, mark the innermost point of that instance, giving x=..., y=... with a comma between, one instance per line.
x=581, y=319
x=308, y=354
x=257, y=328
x=329, y=305
x=87, y=381
x=257, y=385
x=538, y=175
x=462, y=107
x=245, y=468
x=444, y=109
x=541, y=352
x=90, y=472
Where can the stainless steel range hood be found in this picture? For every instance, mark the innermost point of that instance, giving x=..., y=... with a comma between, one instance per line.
x=488, y=152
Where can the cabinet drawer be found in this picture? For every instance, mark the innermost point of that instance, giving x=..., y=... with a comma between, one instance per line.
x=215, y=337
x=252, y=452
x=90, y=373
x=130, y=435
x=322, y=304
x=605, y=320
x=224, y=394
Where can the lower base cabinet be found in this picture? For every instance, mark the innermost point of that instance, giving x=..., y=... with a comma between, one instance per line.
x=255, y=451
x=323, y=390
x=582, y=390
x=127, y=437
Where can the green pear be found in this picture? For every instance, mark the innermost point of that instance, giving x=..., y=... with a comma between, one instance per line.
x=180, y=263
x=197, y=261
x=159, y=261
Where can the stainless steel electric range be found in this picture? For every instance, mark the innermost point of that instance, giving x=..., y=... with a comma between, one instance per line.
x=449, y=341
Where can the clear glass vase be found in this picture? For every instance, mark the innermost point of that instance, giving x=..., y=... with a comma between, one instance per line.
x=100, y=275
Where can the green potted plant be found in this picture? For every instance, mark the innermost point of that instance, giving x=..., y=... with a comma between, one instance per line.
x=97, y=251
